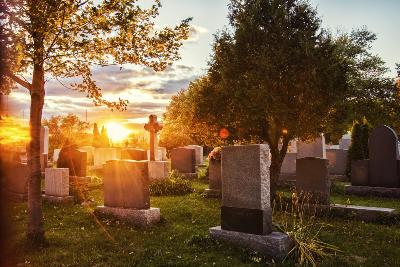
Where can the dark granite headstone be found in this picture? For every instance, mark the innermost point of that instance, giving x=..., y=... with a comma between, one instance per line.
x=17, y=177
x=383, y=155
x=134, y=154
x=214, y=174
x=74, y=160
x=246, y=205
x=126, y=184
x=312, y=179
x=183, y=160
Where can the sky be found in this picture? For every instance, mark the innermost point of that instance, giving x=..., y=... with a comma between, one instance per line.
x=149, y=92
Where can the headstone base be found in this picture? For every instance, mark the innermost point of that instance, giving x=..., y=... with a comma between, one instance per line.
x=58, y=200
x=371, y=191
x=213, y=193
x=141, y=218
x=275, y=245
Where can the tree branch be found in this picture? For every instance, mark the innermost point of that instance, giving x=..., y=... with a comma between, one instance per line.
x=18, y=80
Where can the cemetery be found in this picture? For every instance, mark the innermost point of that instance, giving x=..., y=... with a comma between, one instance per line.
x=281, y=150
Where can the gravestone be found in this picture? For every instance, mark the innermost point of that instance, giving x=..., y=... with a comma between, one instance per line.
x=345, y=141
x=214, y=178
x=102, y=155
x=157, y=154
x=16, y=180
x=74, y=160
x=127, y=194
x=56, y=183
x=199, y=153
x=312, y=179
x=383, y=158
x=359, y=172
x=44, y=140
x=316, y=148
x=89, y=153
x=133, y=154
x=153, y=127
x=183, y=160
x=163, y=153
x=337, y=161
x=246, y=216
x=158, y=170
x=289, y=164
x=56, y=153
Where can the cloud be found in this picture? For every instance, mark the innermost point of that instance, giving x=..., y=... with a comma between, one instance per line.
x=195, y=32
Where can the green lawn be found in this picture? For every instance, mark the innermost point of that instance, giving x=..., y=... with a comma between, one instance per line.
x=77, y=238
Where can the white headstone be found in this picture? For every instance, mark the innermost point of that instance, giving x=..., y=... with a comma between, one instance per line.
x=157, y=154
x=89, y=152
x=56, y=182
x=316, y=148
x=44, y=140
x=56, y=153
x=345, y=141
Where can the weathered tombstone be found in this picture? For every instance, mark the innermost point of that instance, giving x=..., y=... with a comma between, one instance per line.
x=126, y=193
x=183, y=160
x=74, y=160
x=133, y=154
x=359, y=172
x=316, y=148
x=246, y=218
x=56, y=183
x=16, y=180
x=102, y=155
x=214, y=178
x=337, y=161
x=56, y=153
x=89, y=153
x=153, y=127
x=312, y=179
x=383, y=158
x=199, y=153
x=163, y=153
x=44, y=140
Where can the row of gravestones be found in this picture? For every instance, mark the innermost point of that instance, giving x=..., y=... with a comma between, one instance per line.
x=336, y=155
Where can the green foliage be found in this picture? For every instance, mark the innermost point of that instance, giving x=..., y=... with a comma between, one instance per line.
x=304, y=230
x=69, y=127
x=359, y=144
x=175, y=185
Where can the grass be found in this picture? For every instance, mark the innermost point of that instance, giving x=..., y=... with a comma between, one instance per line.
x=77, y=238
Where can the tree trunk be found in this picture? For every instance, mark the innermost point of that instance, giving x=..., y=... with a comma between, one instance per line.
x=277, y=157
x=35, y=215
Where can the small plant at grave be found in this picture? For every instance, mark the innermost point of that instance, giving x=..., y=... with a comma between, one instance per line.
x=175, y=185
x=215, y=154
x=79, y=189
x=297, y=219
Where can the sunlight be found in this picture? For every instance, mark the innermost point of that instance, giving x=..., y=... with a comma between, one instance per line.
x=116, y=131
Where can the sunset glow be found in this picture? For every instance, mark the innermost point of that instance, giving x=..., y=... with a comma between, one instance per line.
x=116, y=131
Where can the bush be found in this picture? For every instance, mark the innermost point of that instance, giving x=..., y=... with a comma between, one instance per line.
x=296, y=221
x=359, y=144
x=175, y=185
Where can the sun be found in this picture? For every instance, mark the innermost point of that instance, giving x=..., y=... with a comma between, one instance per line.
x=117, y=132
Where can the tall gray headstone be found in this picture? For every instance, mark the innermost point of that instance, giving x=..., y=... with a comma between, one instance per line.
x=246, y=205
x=383, y=158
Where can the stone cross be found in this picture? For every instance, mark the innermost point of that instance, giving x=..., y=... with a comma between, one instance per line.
x=153, y=127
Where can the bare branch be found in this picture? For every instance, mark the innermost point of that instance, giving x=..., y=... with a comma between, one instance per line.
x=18, y=80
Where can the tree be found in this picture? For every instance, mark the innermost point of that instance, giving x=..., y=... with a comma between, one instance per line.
x=69, y=127
x=66, y=39
x=104, y=140
x=277, y=76
x=96, y=136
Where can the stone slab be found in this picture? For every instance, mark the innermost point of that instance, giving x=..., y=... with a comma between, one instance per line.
x=102, y=155
x=137, y=217
x=337, y=161
x=199, y=153
x=183, y=160
x=372, y=191
x=359, y=172
x=289, y=164
x=214, y=174
x=275, y=245
x=134, y=154
x=316, y=148
x=212, y=193
x=58, y=200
